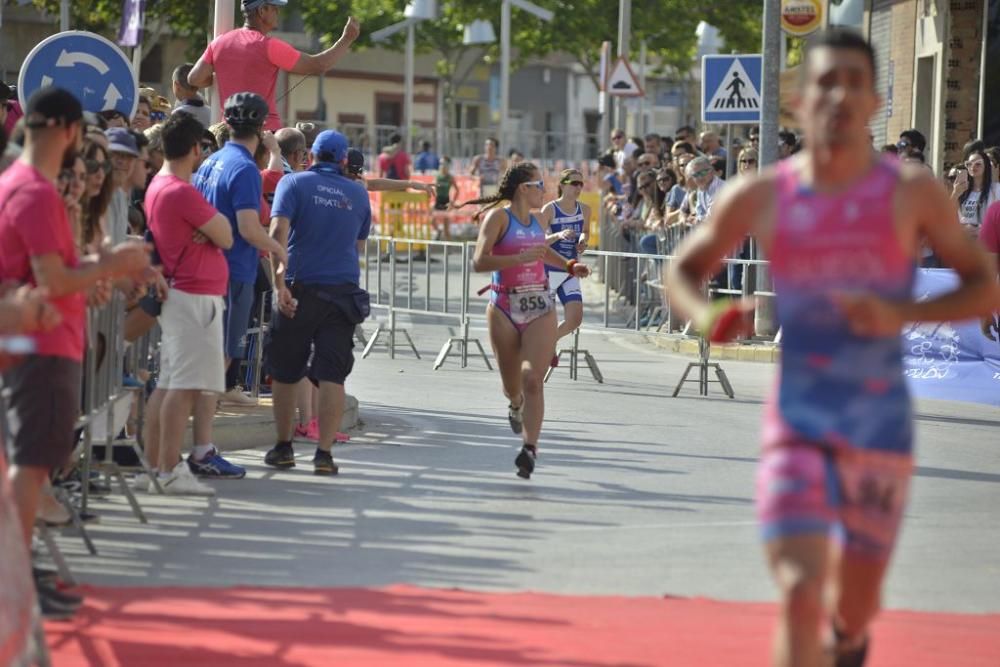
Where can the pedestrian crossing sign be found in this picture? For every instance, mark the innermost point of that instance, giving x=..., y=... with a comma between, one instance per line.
x=731, y=89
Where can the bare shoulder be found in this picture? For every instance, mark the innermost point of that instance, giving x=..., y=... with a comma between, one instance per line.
x=915, y=179
x=756, y=191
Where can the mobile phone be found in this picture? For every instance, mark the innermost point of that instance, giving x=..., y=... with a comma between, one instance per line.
x=17, y=345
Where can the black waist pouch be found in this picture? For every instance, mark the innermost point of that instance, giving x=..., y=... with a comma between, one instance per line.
x=353, y=301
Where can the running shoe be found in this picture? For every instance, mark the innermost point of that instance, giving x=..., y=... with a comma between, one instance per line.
x=182, y=482
x=525, y=461
x=308, y=432
x=213, y=465
x=516, y=418
x=281, y=456
x=854, y=657
x=323, y=463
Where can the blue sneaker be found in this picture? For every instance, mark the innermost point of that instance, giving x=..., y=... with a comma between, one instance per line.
x=213, y=465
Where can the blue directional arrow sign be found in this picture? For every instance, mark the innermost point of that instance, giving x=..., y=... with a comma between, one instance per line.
x=731, y=89
x=85, y=64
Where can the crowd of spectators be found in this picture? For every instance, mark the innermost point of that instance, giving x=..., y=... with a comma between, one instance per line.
x=91, y=202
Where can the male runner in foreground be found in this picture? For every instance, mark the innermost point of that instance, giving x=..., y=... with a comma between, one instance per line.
x=843, y=230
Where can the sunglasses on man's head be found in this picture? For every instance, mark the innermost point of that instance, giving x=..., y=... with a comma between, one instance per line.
x=702, y=172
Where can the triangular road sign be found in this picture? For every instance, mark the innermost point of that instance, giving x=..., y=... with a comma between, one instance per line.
x=736, y=92
x=622, y=81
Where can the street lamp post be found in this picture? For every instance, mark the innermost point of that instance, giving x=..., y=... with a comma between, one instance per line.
x=416, y=11
x=505, y=11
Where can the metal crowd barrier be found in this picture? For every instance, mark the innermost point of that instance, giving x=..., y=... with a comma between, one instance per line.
x=431, y=281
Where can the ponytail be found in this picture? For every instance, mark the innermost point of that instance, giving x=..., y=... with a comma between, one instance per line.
x=511, y=180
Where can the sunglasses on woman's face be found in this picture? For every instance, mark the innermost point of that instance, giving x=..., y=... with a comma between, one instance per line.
x=575, y=184
x=748, y=161
x=538, y=184
x=664, y=179
x=93, y=166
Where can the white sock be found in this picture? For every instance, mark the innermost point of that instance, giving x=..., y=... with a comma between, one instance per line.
x=200, y=451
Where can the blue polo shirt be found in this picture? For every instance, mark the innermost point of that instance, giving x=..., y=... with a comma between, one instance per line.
x=328, y=215
x=230, y=181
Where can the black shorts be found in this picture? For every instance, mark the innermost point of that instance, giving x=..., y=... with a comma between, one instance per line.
x=42, y=410
x=324, y=324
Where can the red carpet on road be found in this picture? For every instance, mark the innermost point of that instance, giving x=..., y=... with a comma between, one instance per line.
x=406, y=625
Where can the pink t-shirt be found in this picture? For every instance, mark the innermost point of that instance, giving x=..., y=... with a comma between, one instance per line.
x=248, y=60
x=33, y=222
x=175, y=209
x=989, y=233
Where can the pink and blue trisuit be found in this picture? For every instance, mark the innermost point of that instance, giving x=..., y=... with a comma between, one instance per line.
x=838, y=432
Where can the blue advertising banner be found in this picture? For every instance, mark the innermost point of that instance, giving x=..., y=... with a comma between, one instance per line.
x=953, y=361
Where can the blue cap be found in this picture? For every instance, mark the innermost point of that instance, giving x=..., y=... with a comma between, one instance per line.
x=121, y=140
x=331, y=141
x=249, y=5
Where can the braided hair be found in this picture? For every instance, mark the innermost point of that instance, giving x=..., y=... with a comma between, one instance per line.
x=509, y=182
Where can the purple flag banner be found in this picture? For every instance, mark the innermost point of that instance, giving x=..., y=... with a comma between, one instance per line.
x=133, y=18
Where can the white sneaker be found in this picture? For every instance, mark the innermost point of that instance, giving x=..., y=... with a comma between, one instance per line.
x=142, y=483
x=236, y=397
x=183, y=483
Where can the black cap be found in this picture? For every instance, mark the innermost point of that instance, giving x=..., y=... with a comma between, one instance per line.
x=49, y=107
x=355, y=161
x=245, y=109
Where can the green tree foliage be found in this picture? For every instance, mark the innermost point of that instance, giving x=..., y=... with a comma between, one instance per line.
x=188, y=19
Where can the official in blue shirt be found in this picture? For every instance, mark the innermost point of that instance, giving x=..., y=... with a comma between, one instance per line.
x=323, y=218
x=230, y=181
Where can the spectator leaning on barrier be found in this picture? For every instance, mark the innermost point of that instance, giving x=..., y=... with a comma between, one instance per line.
x=190, y=238
x=36, y=243
x=323, y=218
x=247, y=59
x=124, y=151
x=230, y=181
x=700, y=171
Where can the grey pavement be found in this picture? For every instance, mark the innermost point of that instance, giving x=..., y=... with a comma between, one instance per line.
x=635, y=493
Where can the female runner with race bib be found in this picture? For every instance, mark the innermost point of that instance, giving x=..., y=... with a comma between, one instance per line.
x=566, y=221
x=521, y=314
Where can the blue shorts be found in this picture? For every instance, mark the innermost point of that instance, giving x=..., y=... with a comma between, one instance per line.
x=566, y=287
x=239, y=302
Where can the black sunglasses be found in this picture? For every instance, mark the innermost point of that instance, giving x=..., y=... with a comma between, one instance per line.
x=93, y=166
x=748, y=161
x=578, y=184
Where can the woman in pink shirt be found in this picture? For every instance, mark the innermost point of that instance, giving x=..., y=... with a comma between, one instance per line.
x=247, y=59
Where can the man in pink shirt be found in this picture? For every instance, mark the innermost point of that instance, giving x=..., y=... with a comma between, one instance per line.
x=246, y=59
x=190, y=236
x=37, y=246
